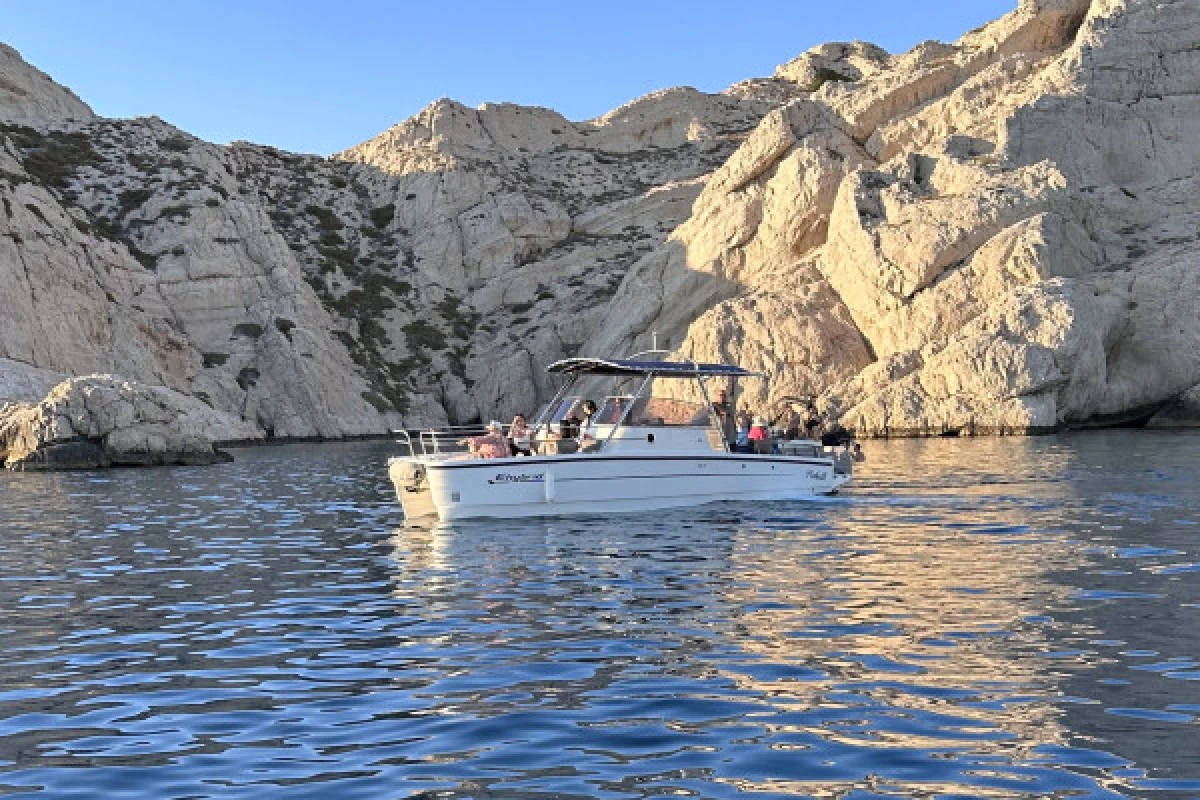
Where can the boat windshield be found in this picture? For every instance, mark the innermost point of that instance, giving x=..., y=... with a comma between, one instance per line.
x=646, y=411
x=661, y=411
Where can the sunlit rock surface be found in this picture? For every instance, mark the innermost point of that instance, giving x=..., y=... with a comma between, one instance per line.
x=996, y=235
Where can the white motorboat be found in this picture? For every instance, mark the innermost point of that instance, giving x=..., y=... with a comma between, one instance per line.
x=637, y=453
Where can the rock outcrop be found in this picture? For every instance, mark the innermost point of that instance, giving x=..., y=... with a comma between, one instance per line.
x=995, y=235
x=29, y=96
x=1007, y=223
x=1182, y=412
x=100, y=421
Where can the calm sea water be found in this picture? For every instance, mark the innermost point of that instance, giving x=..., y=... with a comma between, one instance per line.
x=1007, y=618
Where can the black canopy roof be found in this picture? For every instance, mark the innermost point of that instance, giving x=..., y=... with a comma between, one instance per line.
x=665, y=369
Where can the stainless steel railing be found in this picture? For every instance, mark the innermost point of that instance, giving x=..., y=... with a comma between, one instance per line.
x=441, y=441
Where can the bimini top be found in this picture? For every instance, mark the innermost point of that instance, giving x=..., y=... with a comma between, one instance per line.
x=665, y=369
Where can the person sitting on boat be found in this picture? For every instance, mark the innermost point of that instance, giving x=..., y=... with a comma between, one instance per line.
x=565, y=442
x=857, y=453
x=791, y=423
x=520, y=438
x=587, y=427
x=490, y=445
x=741, y=442
x=760, y=436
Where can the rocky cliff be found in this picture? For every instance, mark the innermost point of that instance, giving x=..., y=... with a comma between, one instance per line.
x=994, y=235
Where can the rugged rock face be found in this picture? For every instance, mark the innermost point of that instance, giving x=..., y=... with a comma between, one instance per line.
x=1007, y=223
x=100, y=420
x=425, y=276
x=994, y=235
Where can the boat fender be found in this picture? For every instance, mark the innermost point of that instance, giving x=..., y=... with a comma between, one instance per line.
x=548, y=483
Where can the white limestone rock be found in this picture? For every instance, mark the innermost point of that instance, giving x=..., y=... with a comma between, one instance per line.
x=21, y=383
x=102, y=420
x=29, y=96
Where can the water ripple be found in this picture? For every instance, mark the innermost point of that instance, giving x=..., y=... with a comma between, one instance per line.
x=1008, y=618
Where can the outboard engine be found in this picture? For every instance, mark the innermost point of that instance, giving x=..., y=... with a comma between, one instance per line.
x=409, y=475
x=412, y=487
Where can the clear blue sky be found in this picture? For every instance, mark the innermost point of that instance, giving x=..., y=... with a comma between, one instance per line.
x=319, y=77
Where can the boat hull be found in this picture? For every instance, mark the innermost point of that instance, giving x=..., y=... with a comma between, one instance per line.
x=602, y=484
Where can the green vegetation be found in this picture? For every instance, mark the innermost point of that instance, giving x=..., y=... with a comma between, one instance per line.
x=214, y=359
x=341, y=257
x=463, y=323
x=382, y=217
x=212, y=202
x=52, y=158
x=177, y=211
x=423, y=336
x=338, y=182
x=248, y=329
x=374, y=398
x=147, y=260
x=284, y=326
x=176, y=143
x=519, y=308
x=129, y=199
x=326, y=219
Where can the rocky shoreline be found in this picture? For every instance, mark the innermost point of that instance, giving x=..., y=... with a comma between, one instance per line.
x=102, y=421
x=99, y=421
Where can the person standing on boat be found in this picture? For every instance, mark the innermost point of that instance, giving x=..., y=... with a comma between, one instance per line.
x=813, y=423
x=742, y=442
x=760, y=436
x=725, y=416
x=792, y=422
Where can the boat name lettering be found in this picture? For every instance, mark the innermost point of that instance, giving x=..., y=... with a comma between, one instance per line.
x=816, y=475
x=505, y=477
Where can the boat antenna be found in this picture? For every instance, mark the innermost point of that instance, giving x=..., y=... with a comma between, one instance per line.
x=654, y=340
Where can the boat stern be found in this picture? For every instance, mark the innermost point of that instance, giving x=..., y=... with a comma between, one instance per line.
x=411, y=481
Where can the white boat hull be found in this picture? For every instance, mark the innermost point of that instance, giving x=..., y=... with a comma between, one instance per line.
x=605, y=484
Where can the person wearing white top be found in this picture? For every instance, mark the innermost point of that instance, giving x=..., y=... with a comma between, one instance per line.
x=519, y=437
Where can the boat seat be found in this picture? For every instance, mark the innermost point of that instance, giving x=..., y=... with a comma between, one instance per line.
x=558, y=447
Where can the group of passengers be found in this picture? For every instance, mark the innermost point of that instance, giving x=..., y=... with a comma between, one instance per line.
x=575, y=434
x=495, y=444
x=748, y=432
x=745, y=431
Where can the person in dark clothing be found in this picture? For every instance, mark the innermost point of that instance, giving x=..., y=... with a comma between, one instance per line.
x=812, y=423
x=725, y=416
